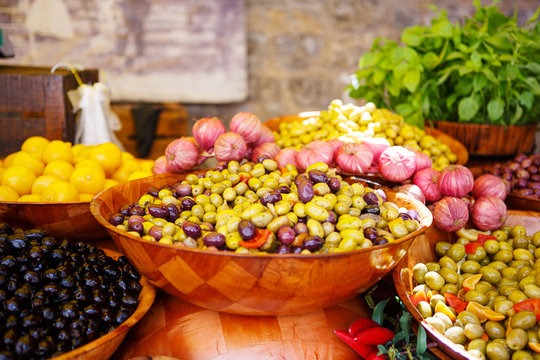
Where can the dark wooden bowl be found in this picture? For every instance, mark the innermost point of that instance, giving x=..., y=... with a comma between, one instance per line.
x=423, y=251
x=520, y=202
x=252, y=284
x=454, y=145
x=105, y=346
x=73, y=220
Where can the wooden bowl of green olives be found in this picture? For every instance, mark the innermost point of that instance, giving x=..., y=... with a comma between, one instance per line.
x=470, y=289
x=228, y=252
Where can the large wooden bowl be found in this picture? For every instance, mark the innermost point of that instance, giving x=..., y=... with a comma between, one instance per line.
x=73, y=220
x=180, y=330
x=252, y=284
x=454, y=145
x=423, y=251
x=105, y=346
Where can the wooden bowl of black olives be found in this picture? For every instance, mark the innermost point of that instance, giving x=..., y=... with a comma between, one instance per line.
x=65, y=299
x=273, y=259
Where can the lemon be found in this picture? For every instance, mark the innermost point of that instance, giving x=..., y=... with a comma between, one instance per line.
x=471, y=234
x=33, y=198
x=127, y=156
x=86, y=197
x=8, y=194
x=61, y=191
x=60, y=168
x=109, y=183
x=7, y=160
x=57, y=150
x=146, y=164
x=25, y=159
x=34, y=145
x=42, y=182
x=139, y=175
x=82, y=153
x=108, y=154
x=88, y=162
x=125, y=170
x=19, y=178
x=88, y=179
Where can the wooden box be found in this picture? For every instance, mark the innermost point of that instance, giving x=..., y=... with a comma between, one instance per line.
x=34, y=102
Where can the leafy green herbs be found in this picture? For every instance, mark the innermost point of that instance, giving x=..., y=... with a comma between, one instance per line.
x=484, y=71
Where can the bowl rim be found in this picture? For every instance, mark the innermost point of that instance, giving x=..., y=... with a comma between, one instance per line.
x=426, y=214
x=145, y=303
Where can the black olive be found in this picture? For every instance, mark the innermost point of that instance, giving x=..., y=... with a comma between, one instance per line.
x=126, y=210
x=17, y=242
x=11, y=322
x=122, y=316
x=81, y=295
x=10, y=337
x=11, y=305
x=91, y=282
x=68, y=311
x=57, y=255
x=63, y=335
x=24, y=346
x=92, y=310
x=3, y=280
x=32, y=277
x=48, y=314
x=44, y=347
x=59, y=323
x=92, y=330
x=98, y=296
x=5, y=228
x=8, y=261
x=64, y=295
x=51, y=274
x=35, y=234
x=137, y=210
x=106, y=317
x=371, y=209
x=3, y=295
x=130, y=300
x=31, y=320
x=24, y=292
x=68, y=282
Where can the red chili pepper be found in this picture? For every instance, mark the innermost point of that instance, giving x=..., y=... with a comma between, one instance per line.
x=361, y=324
x=471, y=247
x=417, y=297
x=482, y=238
x=245, y=178
x=455, y=302
x=361, y=349
x=529, y=305
x=261, y=235
x=374, y=336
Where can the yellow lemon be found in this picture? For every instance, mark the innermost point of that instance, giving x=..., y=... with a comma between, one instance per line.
x=82, y=153
x=139, y=175
x=127, y=156
x=8, y=194
x=34, y=145
x=146, y=164
x=125, y=170
x=33, y=198
x=88, y=179
x=60, y=168
x=2, y=171
x=42, y=182
x=19, y=178
x=108, y=154
x=109, y=183
x=88, y=162
x=86, y=197
x=7, y=160
x=75, y=149
x=25, y=159
x=61, y=191
x=1, y=163
x=57, y=150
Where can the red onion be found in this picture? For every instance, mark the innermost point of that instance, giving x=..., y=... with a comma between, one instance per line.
x=427, y=180
x=377, y=146
x=488, y=213
x=206, y=131
x=336, y=144
x=422, y=161
x=456, y=180
x=182, y=154
x=286, y=156
x=354, y=158
x=450, y=214
x=268, y=150
x=247, y=125
x=230, y=146
x=412, y=190
x=397, y=163
x=266, y=136
x=315, y=151
x=489, y=185
x=160, y=165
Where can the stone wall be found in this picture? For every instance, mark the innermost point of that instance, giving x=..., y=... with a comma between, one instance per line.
x=302, y=52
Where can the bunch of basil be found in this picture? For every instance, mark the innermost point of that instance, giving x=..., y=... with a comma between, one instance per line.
x=485, y=71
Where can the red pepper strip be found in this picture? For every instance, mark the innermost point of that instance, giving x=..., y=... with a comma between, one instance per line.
x=374, y=336
x=455, y=302
x=482, y=238
x=361, y=324
x=361, y=349
x=419, y=296
x=283, y=170
x=261, y=235
x=245, y=178
x=529, y=305
x=471, y=247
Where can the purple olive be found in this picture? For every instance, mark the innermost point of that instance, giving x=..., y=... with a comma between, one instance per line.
x=334, y=184
x=535, y=185
x=532, y=169
x=270, y=197
x=283, y=189
x=286, y=235
x=413, y=214
x=520, y=183
x=137, y=210
x=158, y=211
x=317, y=176
x=380, y=240
x=371, y=209
x=191, y=229
x=174, y=212
x=302, y=220
x=305, y=191
x=135, y=219
x=136, y=226
x=405, y=216
x=297, y=249
x=520, y=157
x=246, y=229
x=215, y=239
x=535, y=177
x=284, y=249
x=525, y=192
x=155, y=231
x=526, y=163
x=187, y=203
x=222, y=165
x=523, y=174
x=125, y=209
x=381, y=194
x=370, y=233
x=300, y=228
x=206, y=225
x=152, y=191
x=371, y=198
x=183, y=190
x=536, y=160
x=332, y=217
x=313, y=243
x=116, y=219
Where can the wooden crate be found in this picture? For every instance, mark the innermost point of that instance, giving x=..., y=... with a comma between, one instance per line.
x=34, y=102
x=172, y=123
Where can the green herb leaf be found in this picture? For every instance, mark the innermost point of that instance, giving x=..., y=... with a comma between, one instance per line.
x=526, y=99
x=533, y=66
x=421, y=341
x=443, y=28
x=404, y=109
x=517, y=115
x=378, y=312
x=369, y=59
x=378, y=76
x=479, y=81
x=495, y=109
x=411, y=80
x=533, y=85
x=476, y=60
x=467, y=108
x=412, y=36
x=430, y=60
x=500, y=41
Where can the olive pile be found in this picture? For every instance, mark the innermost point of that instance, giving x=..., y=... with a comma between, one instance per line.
x=353, y=123
x=57, y=295
x=252, y=208
x=477, y=291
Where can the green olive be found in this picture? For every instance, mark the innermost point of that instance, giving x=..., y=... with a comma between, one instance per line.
x=470, y=266
x=451, y=288
x=497, y=351
x=483, y=287
x=477, y=344
x=444, y=318
x=503, y=307
x=433, y=266
x=491, y=246
x=516, y=339
x=518, y=230
x=523, y=254
x=449, y=275
x=522, y=355
x=456, y=252
x=490, y=274
x=448, y=262
x=419, y=270
x=478, y=255
x=473, y=295
x=509, y=273
x=523, y=320
x=473, y=331
x=498, y=265
x=504, y=255
x=517, y=296
x=494, y=329
x=442, y=247
x=434, y=280
x=456, y=334
x=424, y=309
x=467, y=317
x=437, y=323
x=520, y=242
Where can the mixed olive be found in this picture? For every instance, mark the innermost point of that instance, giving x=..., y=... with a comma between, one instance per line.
x=484, y=293
x=57, y=295
x=258, y=208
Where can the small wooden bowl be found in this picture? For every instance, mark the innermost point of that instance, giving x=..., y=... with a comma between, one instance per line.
x=519, y=202
x=73, y=220
x=454, y=145
x=244, y=284
x=105, y=346
x=423, y=251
